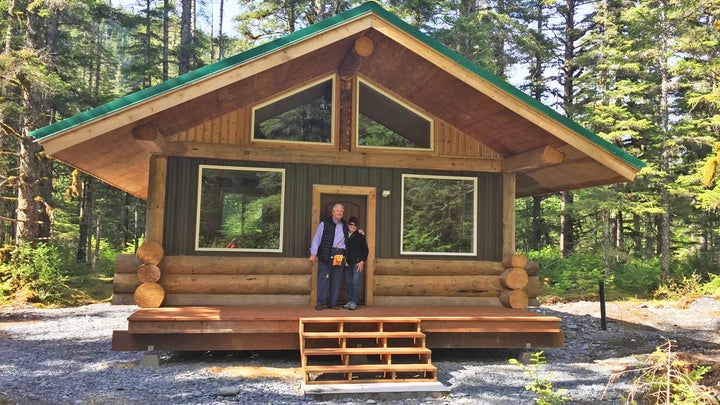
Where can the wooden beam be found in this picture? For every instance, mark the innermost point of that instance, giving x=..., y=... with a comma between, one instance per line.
x=508, y=215
x=150, y=139
x=155, y=211
x=427, y=161
x=361, y=49
x=532, y=159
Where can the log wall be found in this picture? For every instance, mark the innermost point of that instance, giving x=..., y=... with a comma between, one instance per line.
x=444, y=282
x=203, y=280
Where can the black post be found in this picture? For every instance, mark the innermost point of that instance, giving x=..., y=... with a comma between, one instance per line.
x=603, y=319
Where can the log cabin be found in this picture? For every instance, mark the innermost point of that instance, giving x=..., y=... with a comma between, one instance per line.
x=239, y=160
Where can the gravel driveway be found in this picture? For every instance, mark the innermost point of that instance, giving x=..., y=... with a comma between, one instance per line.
x=63, y=356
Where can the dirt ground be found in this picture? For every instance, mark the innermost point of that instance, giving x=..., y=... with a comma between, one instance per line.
x=638, y=327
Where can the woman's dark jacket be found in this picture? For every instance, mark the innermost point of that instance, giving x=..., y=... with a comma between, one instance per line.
x=357, y=248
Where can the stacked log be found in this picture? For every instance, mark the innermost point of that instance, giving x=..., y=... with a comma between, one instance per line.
x=514, y=280
x=534, y=286
x=149, y=294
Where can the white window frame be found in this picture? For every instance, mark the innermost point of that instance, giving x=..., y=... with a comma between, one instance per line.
x=247, y=169
x=281, y=96
x=475, y=215
x=398, y=100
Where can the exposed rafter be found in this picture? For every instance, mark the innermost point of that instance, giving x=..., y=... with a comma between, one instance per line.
x=532, y=159
x=150, y=139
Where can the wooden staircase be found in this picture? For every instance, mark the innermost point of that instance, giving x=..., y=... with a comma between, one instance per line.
x=364, y=350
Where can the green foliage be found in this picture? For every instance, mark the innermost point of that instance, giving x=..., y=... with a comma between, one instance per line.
x=32, y=271
x=545, y=393
x=50, y=275
x=713, y=286
x=577, y=275
x=638, y=276
x=666, y=379
x=679, y=287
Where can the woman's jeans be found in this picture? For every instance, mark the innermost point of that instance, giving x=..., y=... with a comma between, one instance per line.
x=352, y=282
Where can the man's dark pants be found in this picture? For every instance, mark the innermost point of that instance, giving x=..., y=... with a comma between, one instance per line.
x=330, y=280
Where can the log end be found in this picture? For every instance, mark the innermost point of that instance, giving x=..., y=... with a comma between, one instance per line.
x=364, y=46
x=149, y=295
x=149, y=273
x=150, y=252
x=516, y=299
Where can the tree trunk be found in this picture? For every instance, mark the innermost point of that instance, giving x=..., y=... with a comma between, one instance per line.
x=34, y=188
x=537, y=223
x=98, y=235
x=184, y=50
x=33, y=207
x=606, y=242
x=665, y=231
x=567, y=225
x=221, y=36
x=637, y=236
x=166, y=40
x=85, y=217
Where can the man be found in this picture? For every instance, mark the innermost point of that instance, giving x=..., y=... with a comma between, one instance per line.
x=328, y=250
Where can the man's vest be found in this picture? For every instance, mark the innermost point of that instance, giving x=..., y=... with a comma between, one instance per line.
x=327, y=239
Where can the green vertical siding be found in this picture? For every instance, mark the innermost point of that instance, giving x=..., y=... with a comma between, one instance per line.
x=181, y=202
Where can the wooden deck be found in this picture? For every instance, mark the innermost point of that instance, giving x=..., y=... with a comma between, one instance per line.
x=202, y=328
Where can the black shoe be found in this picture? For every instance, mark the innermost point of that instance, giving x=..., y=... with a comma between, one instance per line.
x=336, y=308
x=318, y=307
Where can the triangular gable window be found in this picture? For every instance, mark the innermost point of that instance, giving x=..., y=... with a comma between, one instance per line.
x=302, y=116
x=385, y=122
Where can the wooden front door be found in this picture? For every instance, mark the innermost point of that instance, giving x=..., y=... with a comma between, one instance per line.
x=359, y=202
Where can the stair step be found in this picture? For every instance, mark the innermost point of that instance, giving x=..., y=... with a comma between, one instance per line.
x=371, y=368
x=388, y=343
x=328, y=319
x=328, y=351
x=363, y=335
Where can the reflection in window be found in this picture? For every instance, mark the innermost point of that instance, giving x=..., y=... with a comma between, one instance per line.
x=438, y=215
x=384, y=122
x=240, y=209
x=303, y=116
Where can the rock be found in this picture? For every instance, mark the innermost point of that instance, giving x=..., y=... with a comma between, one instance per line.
x=229, y=391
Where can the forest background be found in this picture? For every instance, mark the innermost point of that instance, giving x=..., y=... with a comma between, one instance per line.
x=641, y=74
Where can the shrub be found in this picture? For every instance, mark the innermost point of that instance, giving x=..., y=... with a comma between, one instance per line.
x=713, y=286
x=33, y=271
x=545, y=393
x=637, y=276
x=577, y=274
x=665, y=379
x=676, y=288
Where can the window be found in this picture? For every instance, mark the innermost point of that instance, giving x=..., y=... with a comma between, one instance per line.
x=302, y=116
x=387, y=123
x=240, y=209
x=439, y=215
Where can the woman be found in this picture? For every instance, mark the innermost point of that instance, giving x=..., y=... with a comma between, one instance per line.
x=357, y=253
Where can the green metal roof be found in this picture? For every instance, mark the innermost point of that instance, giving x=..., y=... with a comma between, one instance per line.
x=329, y=23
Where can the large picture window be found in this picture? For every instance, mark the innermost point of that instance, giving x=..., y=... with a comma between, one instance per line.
x=439, y=215
x=240, y=209
x=305, y=115
x=385, y=122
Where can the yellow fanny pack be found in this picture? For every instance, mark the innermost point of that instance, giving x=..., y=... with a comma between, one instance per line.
x=338, y=260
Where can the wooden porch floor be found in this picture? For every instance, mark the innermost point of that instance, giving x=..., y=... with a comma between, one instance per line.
x=202, y=328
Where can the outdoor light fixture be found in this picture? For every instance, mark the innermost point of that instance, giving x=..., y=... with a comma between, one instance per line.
x=386, y=193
